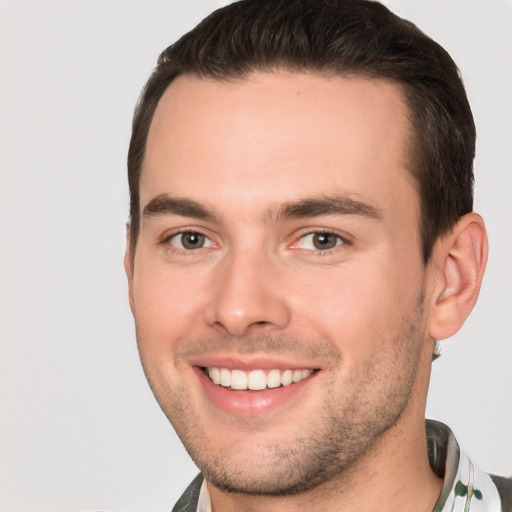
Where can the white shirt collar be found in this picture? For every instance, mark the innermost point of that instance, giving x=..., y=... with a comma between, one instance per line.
x=204, y=503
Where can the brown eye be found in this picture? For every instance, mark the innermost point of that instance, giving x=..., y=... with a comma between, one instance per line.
x=324, y=241
x=190, y=240
x=319, y=241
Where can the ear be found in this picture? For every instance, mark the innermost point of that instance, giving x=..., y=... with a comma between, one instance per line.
x=459, y=264
x=129, y=265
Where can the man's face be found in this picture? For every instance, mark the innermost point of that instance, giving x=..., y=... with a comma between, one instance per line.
x=279, y=249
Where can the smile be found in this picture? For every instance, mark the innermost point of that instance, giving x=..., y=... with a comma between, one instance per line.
x=255, y=380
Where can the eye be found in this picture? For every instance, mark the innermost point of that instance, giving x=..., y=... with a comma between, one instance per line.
x=319, y=241
x=190, y=240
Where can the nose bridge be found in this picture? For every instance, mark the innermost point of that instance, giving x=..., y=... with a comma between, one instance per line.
x=247, y=293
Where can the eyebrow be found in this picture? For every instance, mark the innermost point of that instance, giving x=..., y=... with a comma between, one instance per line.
x=167, y=205
x=324, y=205
x=309, y=207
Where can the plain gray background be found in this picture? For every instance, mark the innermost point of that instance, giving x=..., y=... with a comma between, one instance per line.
x=79, y=428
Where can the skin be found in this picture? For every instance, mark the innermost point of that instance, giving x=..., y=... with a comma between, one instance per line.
x=363, y=314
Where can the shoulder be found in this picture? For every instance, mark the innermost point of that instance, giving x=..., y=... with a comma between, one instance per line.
x=504, y=486
x=189, y=499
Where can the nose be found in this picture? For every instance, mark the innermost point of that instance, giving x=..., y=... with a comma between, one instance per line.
x=247, y=295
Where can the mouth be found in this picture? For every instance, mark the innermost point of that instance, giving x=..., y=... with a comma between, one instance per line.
x=254, y=387
x=255, y=380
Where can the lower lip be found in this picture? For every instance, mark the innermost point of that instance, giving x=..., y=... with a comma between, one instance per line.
x=250, y=403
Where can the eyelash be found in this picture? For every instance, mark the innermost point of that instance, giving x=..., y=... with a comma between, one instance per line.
x=340, y=242
x=183, y=250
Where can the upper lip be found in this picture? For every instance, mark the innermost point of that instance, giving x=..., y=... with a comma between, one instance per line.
x=237, y=362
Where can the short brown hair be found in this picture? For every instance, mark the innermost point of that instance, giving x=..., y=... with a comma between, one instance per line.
x=342, y=37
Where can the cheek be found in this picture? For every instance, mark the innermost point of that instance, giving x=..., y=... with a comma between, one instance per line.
x=357, y=305
x=166, y=303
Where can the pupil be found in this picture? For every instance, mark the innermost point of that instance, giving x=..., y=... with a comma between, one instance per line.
x=192, y=240
x=324, y=241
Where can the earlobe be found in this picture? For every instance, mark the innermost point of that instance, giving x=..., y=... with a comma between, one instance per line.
x=461, y=257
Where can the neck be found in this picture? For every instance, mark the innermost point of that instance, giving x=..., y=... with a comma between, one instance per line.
x=393, y=475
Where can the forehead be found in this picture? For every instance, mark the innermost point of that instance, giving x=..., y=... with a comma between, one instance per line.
x=274, y=136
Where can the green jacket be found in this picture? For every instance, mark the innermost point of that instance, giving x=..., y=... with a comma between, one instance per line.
x=188, y=500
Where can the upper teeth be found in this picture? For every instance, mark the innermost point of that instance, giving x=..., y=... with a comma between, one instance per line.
x=256, y=379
